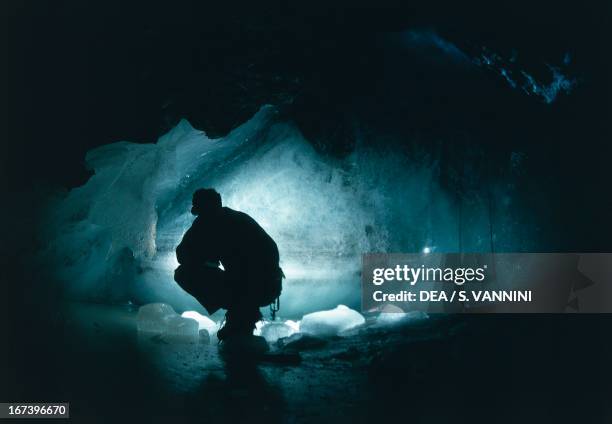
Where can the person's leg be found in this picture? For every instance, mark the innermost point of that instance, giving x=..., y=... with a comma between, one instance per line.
x=207, y=284
x=242, y=312
x=240, y=321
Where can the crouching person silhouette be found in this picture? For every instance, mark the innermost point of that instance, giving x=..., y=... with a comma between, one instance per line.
x=251, y=276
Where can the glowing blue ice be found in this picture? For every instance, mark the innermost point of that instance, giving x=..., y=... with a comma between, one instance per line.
x=332, y=322
x=113, y=239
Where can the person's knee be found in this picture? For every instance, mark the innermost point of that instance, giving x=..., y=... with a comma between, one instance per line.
x=190, y=278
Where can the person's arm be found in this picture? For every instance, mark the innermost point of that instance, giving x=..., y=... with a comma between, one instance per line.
x=195, y=248
x=186, y=251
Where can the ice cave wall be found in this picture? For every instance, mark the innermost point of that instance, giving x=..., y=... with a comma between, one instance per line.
x=113, y=239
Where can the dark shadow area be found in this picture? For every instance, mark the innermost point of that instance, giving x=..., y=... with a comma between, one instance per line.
x=78, y=75
x=528, y=368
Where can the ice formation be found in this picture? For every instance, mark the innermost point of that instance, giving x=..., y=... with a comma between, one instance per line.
x=272, y=331
x=204, y=323
x=113, y=239
x=204, y=336
x=332, y=322
x=385, y=319
x=160, y=318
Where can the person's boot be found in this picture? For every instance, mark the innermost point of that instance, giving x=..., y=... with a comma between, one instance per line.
x=239, y=323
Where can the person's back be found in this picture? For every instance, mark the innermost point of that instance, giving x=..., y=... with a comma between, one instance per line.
x=251, y=277
x=246, y=244
x=229, y=236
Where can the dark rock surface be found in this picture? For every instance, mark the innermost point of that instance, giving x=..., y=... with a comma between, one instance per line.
x=80, y=75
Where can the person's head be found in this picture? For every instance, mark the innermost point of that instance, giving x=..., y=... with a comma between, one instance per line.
x=205, y=201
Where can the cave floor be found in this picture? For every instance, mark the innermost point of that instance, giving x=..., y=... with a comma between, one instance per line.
x=502, y=369
x=118, y=372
